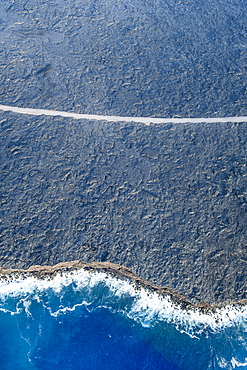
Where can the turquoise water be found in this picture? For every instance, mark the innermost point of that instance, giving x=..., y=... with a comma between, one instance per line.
x=85, y=320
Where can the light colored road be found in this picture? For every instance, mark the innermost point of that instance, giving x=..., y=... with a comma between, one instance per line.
x=146, y=120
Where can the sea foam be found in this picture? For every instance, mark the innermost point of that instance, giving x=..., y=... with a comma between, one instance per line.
x=98, y=289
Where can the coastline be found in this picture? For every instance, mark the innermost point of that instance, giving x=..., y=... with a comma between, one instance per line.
x=120, y=272
x=170, y=209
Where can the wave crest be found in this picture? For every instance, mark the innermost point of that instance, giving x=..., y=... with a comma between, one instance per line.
x=70, y=290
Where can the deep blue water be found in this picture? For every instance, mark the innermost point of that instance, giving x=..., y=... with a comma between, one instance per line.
x=93, y=321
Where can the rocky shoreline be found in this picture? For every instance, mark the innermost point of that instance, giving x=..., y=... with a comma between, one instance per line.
x=117, y=271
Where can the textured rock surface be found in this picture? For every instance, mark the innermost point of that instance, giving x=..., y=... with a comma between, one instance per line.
x=138, y=57
x=167, y=201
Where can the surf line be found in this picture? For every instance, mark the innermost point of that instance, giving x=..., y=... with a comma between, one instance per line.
x=145, y=120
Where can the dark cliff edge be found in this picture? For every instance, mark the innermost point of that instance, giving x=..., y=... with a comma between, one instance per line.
x=118, y=271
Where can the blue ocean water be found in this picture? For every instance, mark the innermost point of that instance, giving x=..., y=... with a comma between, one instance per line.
x=90, y=320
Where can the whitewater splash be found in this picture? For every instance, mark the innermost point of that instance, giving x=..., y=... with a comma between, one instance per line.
x=94, y=320
x=138, y=303
x=145, y=120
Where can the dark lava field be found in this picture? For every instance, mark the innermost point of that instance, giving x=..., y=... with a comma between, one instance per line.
x=168, y=201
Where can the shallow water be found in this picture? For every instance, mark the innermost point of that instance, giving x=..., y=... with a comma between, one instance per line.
x=86, y=320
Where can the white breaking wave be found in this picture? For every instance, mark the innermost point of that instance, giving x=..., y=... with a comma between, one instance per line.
x=144, y=306
x=145, y=120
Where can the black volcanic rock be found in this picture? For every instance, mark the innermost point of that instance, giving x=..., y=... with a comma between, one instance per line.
x=167, y=201
x=136, y=58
